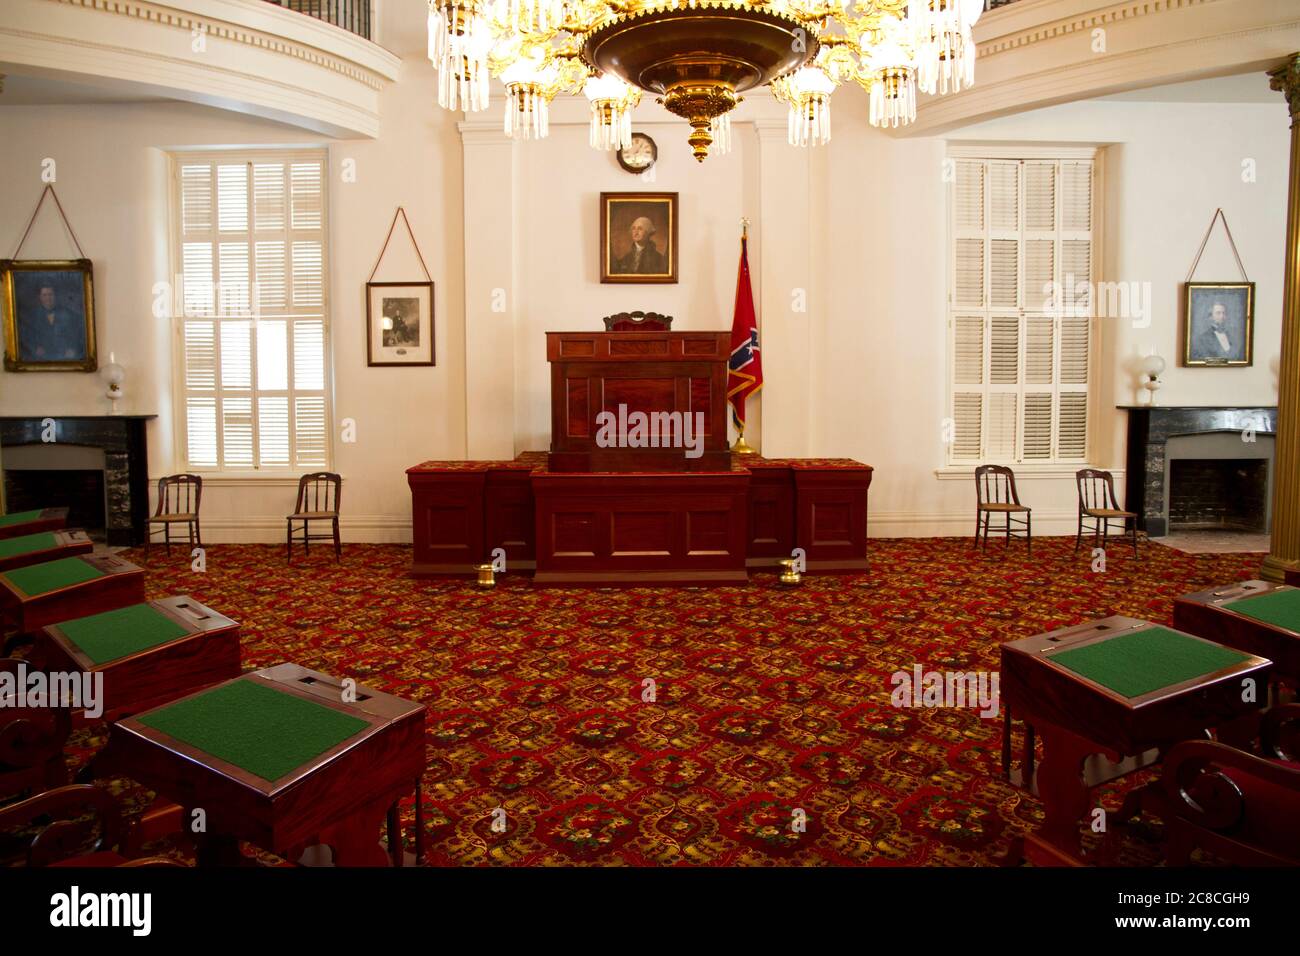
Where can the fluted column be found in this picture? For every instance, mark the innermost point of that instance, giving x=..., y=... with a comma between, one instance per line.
x=1285, y=551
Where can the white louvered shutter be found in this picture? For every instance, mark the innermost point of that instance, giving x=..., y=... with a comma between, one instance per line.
x=1021, y=309
x=253, y=322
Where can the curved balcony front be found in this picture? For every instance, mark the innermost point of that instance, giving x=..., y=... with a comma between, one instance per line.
x=250, y=56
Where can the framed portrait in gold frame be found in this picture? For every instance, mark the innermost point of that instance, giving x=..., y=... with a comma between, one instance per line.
x=49, y=315
x=638, y=237
x=1219, y=324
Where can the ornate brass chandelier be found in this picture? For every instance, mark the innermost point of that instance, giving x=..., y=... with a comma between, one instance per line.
x=697, y=57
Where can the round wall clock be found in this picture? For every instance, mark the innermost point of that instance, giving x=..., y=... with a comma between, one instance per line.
x=639, y=155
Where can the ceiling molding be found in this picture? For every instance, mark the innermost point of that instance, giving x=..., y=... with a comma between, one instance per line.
x=1030, y=56
x=253, y=58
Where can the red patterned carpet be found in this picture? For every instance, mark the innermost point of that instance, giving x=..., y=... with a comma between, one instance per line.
x=767, y=700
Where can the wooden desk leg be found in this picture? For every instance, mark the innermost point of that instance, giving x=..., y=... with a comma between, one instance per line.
x=355, y=841
x=419, y=825
x=1064, y=793
x=1006, y=743
x=1028, y=757
x=394, y=835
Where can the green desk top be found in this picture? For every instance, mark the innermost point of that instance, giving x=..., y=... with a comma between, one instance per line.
x=265, y=731
x=1277, y=607
x=18, y=517
x=113, y=634
x=1135, y=664
x=28, y=543
x=43, y=578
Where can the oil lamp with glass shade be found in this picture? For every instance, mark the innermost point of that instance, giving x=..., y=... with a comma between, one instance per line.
x=1152, y=368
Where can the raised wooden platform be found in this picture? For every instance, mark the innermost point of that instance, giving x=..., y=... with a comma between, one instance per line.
x=639, y=527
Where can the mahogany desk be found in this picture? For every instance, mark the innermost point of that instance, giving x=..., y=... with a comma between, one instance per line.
x=1169, y=687
x=1293, y=577
x=41, y=547
x=148, y=653
x=29, y=522
x=41, y=594
x=639, y=526
x=1254, y=616
x=278, y=758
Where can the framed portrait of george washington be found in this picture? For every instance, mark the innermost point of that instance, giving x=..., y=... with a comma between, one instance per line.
x=49, y=315
x=638, y=237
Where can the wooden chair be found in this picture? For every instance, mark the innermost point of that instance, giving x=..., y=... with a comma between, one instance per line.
x=1097, y=502
x=179, y=497
x=31, y=742
x=1240, y=806
x=318, y=500
x=995, y=493
x=638, y=322
x=85, y=817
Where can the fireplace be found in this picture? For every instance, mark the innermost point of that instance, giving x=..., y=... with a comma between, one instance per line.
x=1208, y=494
x=1194, y=468
x=96, y=466
x=70, y=475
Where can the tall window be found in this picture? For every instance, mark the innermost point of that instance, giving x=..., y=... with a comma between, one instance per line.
x=252, y=310
x=1020, y=309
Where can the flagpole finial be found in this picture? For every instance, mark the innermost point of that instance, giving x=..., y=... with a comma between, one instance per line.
x=744, y=227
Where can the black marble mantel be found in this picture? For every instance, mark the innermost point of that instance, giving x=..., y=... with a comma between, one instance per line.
x=1149, y=431
x=126, y=462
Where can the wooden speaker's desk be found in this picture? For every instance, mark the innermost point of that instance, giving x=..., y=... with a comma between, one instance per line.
x=639, y=486
x=639, y=527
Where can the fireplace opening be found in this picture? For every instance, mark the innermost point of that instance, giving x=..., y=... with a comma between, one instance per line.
x=1212, y=494
x=81, y=491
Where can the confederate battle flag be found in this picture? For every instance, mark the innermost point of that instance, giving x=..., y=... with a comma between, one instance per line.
x=745, y=369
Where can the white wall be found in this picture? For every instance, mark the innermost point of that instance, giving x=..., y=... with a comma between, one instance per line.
x=860, y=226
x=112, y=179
x=1167, y=166
x=559, y=227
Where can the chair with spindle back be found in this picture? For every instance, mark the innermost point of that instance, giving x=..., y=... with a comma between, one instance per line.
x=638, y=322
x=995, y=493
x=31, y=740
x=179, y=497
x=79, y=817
x=318, y=500
x=1097, y=503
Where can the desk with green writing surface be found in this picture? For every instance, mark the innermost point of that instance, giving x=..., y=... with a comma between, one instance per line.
x=284, y=758
x=53, y=591
x=30, y=522
x=148, y=654
x=1116, y=687
x=42, y=546
x=1254, y=616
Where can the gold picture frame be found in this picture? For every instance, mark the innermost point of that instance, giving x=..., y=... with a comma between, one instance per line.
x=62, y=339
x=627, y=219
x=1218, y=324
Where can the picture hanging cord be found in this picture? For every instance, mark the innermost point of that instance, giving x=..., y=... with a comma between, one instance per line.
x=400, y=212
x=48, y=191
x=1218, y=214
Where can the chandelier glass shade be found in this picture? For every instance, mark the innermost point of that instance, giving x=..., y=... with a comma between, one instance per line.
x=697, y=57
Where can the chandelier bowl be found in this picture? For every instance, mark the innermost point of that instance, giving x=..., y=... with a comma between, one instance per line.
x=699, y=57
x=722, y=43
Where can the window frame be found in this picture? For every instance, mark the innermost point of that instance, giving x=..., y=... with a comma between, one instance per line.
x=177, y=318
x=959, y=152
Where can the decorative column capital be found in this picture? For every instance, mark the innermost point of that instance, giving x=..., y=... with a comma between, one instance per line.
x=1286, y=80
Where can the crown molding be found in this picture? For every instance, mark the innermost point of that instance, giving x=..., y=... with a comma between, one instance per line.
x=254, y=57
x=1037, y=53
